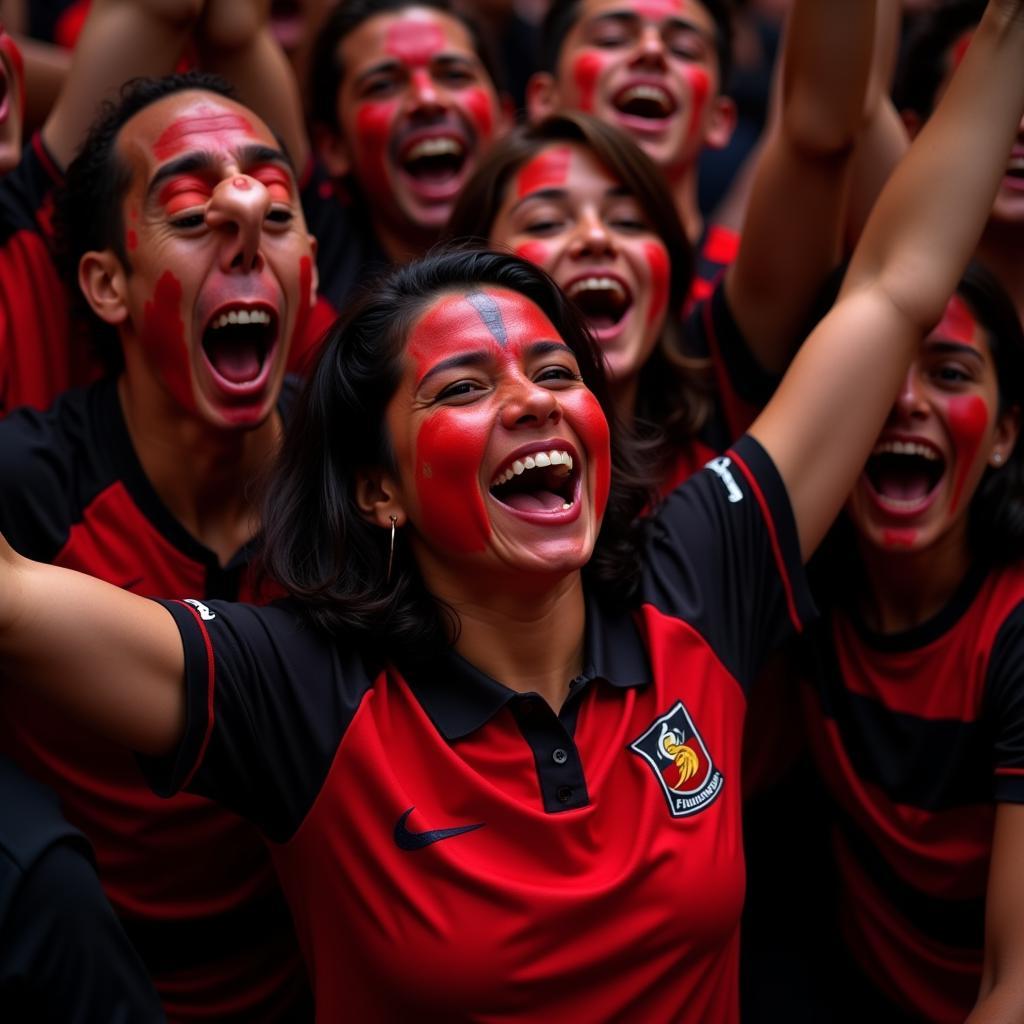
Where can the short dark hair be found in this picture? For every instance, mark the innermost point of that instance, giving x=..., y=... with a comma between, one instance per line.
x=925, y=61
x=674, y=393
x=88, y=215
x=562, y=16
x=326, y=70
x=317, y=543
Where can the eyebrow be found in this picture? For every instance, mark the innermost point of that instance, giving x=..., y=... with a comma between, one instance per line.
x=955, y=348
x=391, y=64
x=631, y=18
x=481, y=357
x=204, y=161
x=557, y=194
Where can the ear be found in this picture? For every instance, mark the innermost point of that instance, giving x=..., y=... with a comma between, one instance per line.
x=333, y=151
x=1007, y=431
x=721, y=123
x=103, y=281
x=542, y=96
x=377, y=497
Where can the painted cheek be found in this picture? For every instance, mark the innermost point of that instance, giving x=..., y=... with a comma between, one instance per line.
x=132, y=240
x=546, y=170
x=585, y=71
x=968, y=418
x=592, y=424
x=222, y=128
x=960, y=48
x=449, y=452
x=700, y=84
x=305, y=300
x=534, y=252
x=899, y=538
x=164, y=332
x=481, y=112
x=373, y=130
x=657, y=259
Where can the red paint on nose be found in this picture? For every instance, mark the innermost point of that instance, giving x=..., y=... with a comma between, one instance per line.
x=242, y=183
x=548, y=169
x=586, y=70
x=968, y=418
x=657, y=259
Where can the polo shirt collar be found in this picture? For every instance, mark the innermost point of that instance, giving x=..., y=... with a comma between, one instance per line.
x=459, y=698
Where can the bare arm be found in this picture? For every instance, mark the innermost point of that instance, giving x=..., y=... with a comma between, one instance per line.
x=112, y=659
x=235, y=41
x=1001, y=1000
x=121, y=39
x=793, y=226
x=822, y=421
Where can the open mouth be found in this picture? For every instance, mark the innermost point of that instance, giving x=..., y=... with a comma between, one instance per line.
x=238, y=342
x=434, y=161
x=1015, y=170
x=904, y=474
x=645, y=100
x=543, y=481
x=604, y=301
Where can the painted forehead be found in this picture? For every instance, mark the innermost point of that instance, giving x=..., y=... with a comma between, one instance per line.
x=651, y=10
x=552, y=166
x=959, y=324
x=411, y=36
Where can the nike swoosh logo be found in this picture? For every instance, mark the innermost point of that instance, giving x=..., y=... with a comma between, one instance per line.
x=406, y=840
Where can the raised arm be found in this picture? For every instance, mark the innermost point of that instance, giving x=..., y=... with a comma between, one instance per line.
x=121, y=39
x=793, y=227
x=825, y=416
x=112, y=659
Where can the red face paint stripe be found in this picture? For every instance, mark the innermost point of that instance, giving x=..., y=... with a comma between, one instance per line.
x=173, y=138
x=958, y=322
x=968, y=418
x=899, y=538
x=548, y=169
x=586, y=71
x=414, y=40
x=657, y=260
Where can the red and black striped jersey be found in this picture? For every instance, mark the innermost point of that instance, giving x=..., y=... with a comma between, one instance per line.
x=191, y=882
x=918, y=736
x=455, y=850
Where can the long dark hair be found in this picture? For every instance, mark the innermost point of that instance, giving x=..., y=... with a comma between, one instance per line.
x=674, y=392
x=317, y=543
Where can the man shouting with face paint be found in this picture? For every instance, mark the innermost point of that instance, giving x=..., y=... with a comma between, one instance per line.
x=181, y=214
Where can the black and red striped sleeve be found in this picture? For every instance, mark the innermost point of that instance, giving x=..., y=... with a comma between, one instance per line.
x=1004, y=708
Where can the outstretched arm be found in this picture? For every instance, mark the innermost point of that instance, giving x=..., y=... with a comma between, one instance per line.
x=820, y=425
x=121, y=39
x=793, y=226
x=110, y=658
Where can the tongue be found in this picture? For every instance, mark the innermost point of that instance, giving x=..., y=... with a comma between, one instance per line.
x=236, y=361
x=432, y=173
x=535, y=501
x=906, y=485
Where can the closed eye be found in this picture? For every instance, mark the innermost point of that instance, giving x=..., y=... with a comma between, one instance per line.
x=459, y=389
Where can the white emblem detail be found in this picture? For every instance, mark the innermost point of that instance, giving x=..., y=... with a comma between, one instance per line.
x=204, y=612
x=720, y=466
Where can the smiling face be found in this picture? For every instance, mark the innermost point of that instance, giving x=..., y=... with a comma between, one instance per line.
x=651, y=67
x=502, y=452
x=566, y=213
x=941, y=434
x=417, y=110
x=221, y=275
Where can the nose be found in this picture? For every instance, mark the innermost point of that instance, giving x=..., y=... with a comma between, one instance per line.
x=424, y=94
x=910, y=402
x=650, y=49
x=592, y=236
x=529, y=405
x=238, y=208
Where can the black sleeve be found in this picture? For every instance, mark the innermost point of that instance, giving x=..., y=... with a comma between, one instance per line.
x=65, y=955
x=268, y=700
x=1004, y=699
x=724, y=557
x=26, y=191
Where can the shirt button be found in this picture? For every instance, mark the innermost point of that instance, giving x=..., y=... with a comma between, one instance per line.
x=559, y=756
x=564, y=794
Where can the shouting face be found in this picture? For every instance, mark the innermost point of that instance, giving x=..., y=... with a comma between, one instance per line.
x=502, y=452
x=220, y=271
x=566, y=213
x=416, y=110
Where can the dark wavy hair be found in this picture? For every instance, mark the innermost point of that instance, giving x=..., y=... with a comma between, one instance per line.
x=327, y=72
x=674, y=395
x=562, y=16
x=88, y=215
x=317, y=543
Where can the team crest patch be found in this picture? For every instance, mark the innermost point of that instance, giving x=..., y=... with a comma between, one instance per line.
x=680, y=761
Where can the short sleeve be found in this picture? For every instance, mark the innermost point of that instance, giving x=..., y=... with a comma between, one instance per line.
x=723, y=556
x=1004, y=698
x=268, y=700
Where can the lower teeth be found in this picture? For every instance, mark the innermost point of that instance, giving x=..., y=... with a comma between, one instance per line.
x=567, y=505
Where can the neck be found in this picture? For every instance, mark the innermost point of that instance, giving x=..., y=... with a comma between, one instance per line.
x=405, y=244
x=902, y=590
x=203, y=475
x=530, y=641
x=683, y=186
x=624, y=395
x=1000, y=250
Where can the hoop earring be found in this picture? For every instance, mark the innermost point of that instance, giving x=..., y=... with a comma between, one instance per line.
x=391, y=549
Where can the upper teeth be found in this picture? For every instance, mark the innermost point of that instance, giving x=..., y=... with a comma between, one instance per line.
x=539, y=460
x=593, y=284
x=1016, y=163
x=434, y=147
x=645, y=92
x=906, y=448
x=242, y=316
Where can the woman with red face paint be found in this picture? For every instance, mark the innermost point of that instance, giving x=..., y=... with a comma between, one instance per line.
x=498, y=713
x=916, y=712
